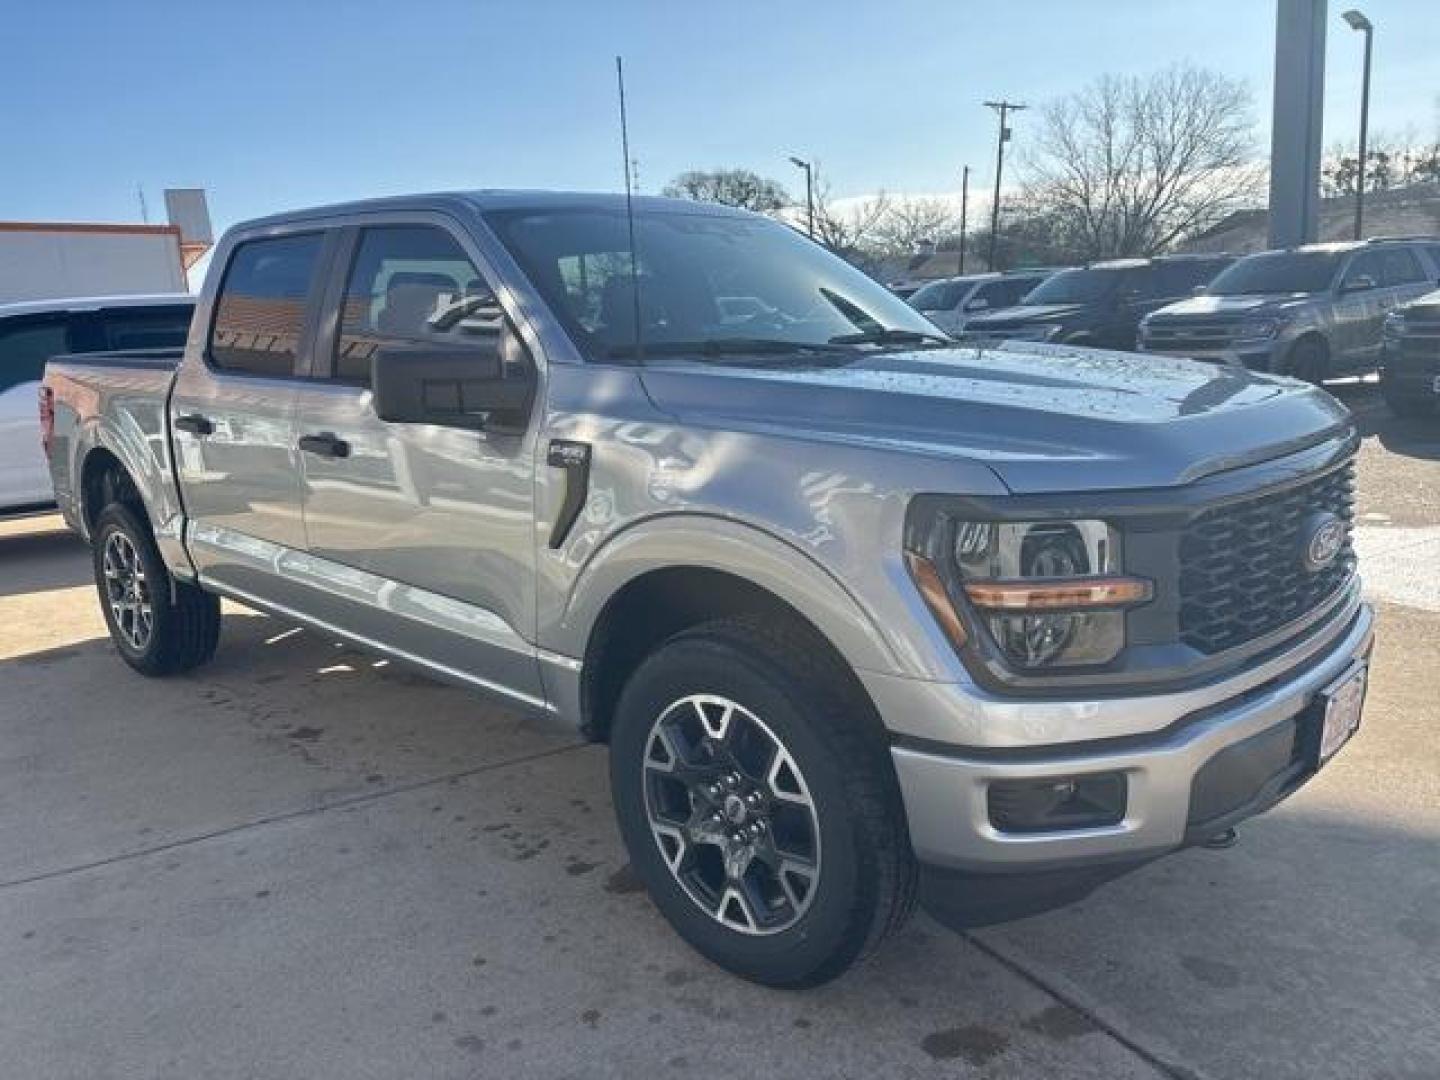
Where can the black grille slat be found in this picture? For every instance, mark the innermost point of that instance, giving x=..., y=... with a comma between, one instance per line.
x=1241, y=574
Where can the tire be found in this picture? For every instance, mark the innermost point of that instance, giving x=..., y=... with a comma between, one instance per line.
x=792, y=733
x=1309, y=360
x=1406, y=406
x=160, y=626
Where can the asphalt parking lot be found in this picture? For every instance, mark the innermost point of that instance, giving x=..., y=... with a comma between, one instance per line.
x=302, y=862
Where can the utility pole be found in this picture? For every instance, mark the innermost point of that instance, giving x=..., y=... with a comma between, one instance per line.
x=964, y=206
x=1004, y=108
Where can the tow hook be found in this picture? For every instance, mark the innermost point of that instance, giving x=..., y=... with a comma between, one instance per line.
x=1221, y=840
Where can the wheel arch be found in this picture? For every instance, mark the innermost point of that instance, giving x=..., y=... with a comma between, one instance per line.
x=654, y=582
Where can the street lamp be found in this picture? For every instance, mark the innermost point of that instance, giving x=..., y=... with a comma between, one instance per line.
x=809, y=194
x=1359, y=22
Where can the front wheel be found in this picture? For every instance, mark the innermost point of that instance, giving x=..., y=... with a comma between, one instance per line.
x=1309, y=360
x=160, y=626
x=758, y=804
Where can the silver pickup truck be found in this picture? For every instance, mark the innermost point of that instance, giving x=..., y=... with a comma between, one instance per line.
x=844, y=598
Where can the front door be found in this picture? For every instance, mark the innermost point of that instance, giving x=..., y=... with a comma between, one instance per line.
x=425, y=533
x=231, y=419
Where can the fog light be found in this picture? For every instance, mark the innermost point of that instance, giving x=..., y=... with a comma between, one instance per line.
x=1058, y=803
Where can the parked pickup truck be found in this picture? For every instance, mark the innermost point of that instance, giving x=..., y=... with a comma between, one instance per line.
x=843, y=597
x=1410, y=361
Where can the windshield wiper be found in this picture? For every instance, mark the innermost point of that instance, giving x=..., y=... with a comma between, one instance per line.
x=736, y=346
x=888, y=336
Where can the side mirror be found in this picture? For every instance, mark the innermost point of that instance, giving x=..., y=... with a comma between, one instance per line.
x=1359, y=283
x=978, y=304
x=465, y=386
x=1198, y=290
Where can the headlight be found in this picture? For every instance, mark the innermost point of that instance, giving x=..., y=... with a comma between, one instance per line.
x=1394, y=327
x=1259, y=329
x=1047, y=594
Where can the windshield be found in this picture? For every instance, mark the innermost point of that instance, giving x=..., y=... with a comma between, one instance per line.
x=703, y=278
x=940, y=296
x=1278, y=272
x=1081, y=286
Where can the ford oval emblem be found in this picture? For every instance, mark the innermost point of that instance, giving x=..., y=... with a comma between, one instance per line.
x=1323, y=536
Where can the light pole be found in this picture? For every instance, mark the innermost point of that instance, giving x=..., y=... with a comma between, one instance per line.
x=964, y=206
x=1359, y=22
x=1003, y=108
x=809, y=195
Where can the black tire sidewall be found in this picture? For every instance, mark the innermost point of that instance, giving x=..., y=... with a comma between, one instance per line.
x=1310, y=361
x=119, y=518
x=832, y=930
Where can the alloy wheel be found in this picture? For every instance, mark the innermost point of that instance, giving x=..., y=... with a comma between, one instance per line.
x=127, y=591
x=731, y=814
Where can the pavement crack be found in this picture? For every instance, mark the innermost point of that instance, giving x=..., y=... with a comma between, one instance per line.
x=290, y=815
x=1170, y=1069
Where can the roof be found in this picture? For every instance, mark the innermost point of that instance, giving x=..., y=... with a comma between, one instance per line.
x=93, y=303
x=494, y=199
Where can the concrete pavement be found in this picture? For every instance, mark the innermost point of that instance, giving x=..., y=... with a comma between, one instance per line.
x=301, y=863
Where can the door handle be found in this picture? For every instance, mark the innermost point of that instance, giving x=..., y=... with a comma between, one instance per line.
x=195, y=424
x=325, y=445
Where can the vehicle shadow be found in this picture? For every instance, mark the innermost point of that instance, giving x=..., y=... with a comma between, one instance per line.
x=1417, y=437
x=37, y=556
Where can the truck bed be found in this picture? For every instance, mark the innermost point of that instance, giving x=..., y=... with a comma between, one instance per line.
x=110, y=400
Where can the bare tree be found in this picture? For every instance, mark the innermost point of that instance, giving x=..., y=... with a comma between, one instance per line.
x=850, y=230
x=1130, y=165
x=912, y=221
x=732, y=187
x=1389, y=163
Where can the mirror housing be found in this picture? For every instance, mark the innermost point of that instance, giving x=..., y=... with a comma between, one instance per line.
x=977, y=304
x=1359, y=283
x=462, y=386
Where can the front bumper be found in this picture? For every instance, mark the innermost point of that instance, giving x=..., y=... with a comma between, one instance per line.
x=1254, y=355
x=947, y=797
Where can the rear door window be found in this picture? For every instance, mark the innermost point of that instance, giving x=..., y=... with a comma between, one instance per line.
x=1399, y=266
x=25, y=345
x=260, y=313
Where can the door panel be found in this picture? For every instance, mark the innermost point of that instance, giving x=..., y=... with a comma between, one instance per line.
x=231, y=416
x=442, y=517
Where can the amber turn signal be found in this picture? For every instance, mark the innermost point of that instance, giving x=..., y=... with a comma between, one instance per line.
x=932, y=590
x=1055, y=595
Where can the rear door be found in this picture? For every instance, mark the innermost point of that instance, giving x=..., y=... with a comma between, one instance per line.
x=1360, y=308
x=26, y=342
x=424, y=533
x=231, y=413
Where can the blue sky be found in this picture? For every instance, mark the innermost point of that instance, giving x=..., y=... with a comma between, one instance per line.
x=272, y=105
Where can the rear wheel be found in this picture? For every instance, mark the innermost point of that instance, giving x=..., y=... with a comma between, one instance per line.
x=758, y=804
x=160, y=626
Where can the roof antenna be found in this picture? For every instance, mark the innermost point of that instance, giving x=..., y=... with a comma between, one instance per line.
x=629, y=208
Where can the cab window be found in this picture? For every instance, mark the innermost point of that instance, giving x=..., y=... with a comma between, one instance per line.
x=260, y=312
x=415, y=284
x=1399, y=266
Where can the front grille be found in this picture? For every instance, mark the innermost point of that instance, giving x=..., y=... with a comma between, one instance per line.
x=1187, y=336
x=1420, y=346
x=1241, y=574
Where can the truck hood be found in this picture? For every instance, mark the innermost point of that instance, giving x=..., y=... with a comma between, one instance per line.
x=1044, y=418
x=1024, y=313
x=1264, y=304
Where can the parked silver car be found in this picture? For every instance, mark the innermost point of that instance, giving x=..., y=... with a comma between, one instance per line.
x=950, y=302
x=1313, y=312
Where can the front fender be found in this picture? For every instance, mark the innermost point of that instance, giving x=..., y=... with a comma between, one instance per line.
x=715, y=543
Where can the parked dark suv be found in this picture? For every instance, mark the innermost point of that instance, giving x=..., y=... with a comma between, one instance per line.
x=1410, y=362
x=1101, y=304
x=1312, y=312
